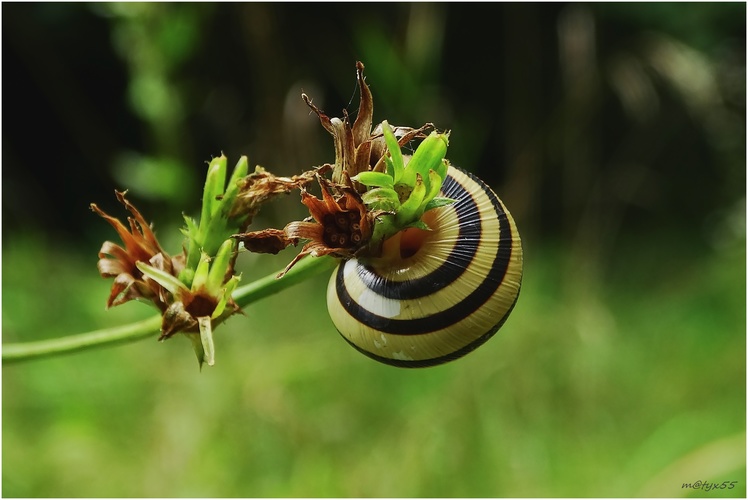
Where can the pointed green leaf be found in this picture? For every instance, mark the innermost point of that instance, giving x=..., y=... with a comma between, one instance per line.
x=438, y=202
x=435, y=184
x=215, y=182
x=390, y=167
x=394, y=148
x=384, y=228
x=240, y=171
x=409, y=210
x=419, y=224
x=408, y=177
x=163, y=278
x=380, y=194
x=191, y=230
x=219, y=266
x=225, y=295
x=201, y=273
x=186, y=276
x=193, y=242
x=374, y=179
x=232, y=190
x=442, y=169
x=429, y=154
x=381, y=199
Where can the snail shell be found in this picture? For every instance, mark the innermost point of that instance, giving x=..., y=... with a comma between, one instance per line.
x=433, y=296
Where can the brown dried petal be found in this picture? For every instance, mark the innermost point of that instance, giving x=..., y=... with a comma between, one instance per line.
x=113, y=260
x=126, y=288
x=304, y=231
x=323, y=118
x=343, y=138
x=315, y=249
x=145, y=228
x=140, y=245
x=362, y=125
x=261, y=186
x=177, y=263
x=344, y=148
x=140, y=242
x=176, y=319
x=361, y=162
x=127, y=238
x=266, y=241
x=317, y=208
x=159, y=261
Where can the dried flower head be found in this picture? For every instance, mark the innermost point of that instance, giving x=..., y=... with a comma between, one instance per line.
x=358, y=148
x=196, y=309
x=192, y=290
x=341, y=226
x=140, y=245
x=374, y=193
x=261, y=186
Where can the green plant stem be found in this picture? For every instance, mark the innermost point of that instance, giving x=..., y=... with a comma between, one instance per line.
x=243, y=296
x=107, y=336
x=263, y=287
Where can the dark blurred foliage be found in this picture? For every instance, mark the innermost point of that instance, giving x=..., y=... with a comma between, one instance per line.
x=615, y=133
x=588, y=119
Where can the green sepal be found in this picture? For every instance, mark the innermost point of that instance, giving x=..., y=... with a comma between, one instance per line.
x=163, y=278
x=419, y=224
x=438, y=202
x=434, y=185
x=406, y=192
x=193, y=248
x=408, y=178
x=390, y=167
x=384, y=228
x=215, y=182
x=225, y=295
x=232, y=190
x=374, y=179
x=381, y=199
x=219, y=266
x=191, y=230
x=442, y=169
x=429, y=156
x=398, y=165
x=409, y=211
x=215, y=225
x=201, y=273
x=229, y=197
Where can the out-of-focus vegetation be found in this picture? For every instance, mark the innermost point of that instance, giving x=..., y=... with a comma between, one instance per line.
x=615, y=134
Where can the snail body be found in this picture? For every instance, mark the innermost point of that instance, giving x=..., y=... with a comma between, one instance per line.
x=433, y=296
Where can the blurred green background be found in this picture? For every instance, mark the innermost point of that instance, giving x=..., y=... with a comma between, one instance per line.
x=615, y=133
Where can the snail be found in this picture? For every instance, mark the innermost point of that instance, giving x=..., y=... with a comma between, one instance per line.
x=433, y=296
x=431, y=259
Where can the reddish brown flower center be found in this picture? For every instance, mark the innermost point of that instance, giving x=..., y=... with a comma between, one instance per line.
x=342, y=229
x=200, y=306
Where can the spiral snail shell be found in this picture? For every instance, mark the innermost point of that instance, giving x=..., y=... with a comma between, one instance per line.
x=433, y=296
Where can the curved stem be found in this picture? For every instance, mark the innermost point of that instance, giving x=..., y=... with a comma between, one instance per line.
x=263, y=287
x=243, y=296
x=107, y=336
